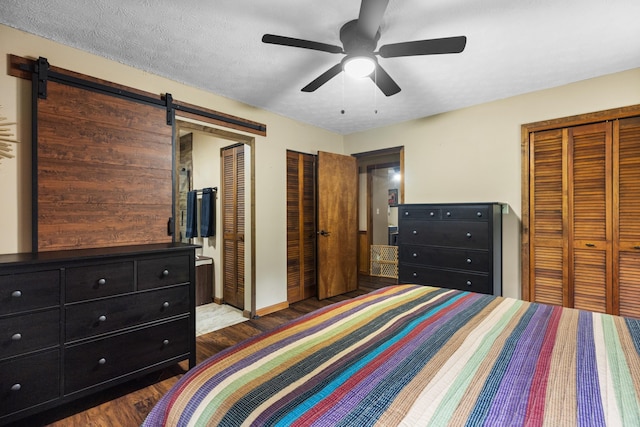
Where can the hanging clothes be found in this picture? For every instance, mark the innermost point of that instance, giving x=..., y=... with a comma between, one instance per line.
x=192, y=215
x=208, y=217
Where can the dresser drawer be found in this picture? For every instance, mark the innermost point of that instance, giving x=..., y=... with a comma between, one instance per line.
x=29, y=291
x=418, y=212
x=101, y=360
x=158, y=272
x=478, y=213
x=461, y=259
x=461, y=234
x=29, y=381
x=29, y=332
x=465, y=281
x=98, y=280
x=110, y=314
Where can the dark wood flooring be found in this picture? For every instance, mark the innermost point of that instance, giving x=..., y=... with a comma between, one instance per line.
x=128, y=404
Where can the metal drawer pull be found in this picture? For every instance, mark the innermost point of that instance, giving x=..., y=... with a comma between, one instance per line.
x=16, y=387
x=16, y=337
x=165, y=342
x=165, y=273
x=469, y=235
x=432, y=214
x=406, y=213
x=165, y=304
x=102, y=318
x=479, y=214
x=16, y=294
x=415, y=274
x=468, y=260
x=469, y=283
x=590, y=245
x=415, y=232
x=415, y=255
x=448, y=213
x=102, y=282
x=102, y=361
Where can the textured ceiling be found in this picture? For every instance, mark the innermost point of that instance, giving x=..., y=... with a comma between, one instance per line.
x=513, y=47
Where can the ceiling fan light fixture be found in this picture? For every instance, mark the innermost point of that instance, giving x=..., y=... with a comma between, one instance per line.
x=359, y=66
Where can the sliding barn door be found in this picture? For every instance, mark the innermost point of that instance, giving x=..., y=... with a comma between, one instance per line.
x=103, y=170
x=301, y=227
x=233, y=222
x=337, y=224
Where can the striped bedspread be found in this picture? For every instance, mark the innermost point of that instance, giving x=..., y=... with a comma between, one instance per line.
x=420, y=356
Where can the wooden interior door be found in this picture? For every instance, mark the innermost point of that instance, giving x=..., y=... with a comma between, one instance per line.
x=301, y=226
x=337, y=224
x=233, y=223
x=590, y=215
x=627, y=218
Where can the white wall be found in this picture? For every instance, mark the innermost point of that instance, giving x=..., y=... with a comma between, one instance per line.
x=474, y=154
x=270, y=151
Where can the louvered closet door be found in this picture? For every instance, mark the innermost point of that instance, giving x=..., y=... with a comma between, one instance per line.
x=590, y=216
x=233, y=220
x=627, y=228
x=547, y=254
x=301, y=227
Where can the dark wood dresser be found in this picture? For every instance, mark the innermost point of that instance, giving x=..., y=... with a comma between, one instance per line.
x=456, y=246
x=74, y=322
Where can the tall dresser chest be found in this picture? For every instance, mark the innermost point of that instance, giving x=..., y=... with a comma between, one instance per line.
x=457, y=246
x=74, y=322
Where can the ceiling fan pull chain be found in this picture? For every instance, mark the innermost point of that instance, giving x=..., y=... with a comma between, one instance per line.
x=342, y=111
x=375, y=92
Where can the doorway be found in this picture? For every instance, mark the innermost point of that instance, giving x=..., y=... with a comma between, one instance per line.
x=381, y=180
x=207, y=144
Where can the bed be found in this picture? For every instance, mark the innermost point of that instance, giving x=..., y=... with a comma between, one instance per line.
x=414, y=355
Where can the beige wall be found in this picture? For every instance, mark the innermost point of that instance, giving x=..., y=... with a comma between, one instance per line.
x=473, y=154
x=467, y=155
x=270, y=151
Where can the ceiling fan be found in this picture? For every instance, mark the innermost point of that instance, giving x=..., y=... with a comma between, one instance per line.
x=359, y=40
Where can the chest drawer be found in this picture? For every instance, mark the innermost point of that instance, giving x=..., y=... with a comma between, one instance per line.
x=29, y=332
x=463, y=280
x=110, y=314
x=29, y=381
x=29, y=291
x=478, y=213
x=95, y=281
x=420, y=212
x=463, y=234
x=158, y=272
x=460, y=259
x=98, y=361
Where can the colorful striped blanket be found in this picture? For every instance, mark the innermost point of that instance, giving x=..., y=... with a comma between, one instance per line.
x=420, y=356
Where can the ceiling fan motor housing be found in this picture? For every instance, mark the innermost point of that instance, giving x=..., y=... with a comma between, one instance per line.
x=356, y=43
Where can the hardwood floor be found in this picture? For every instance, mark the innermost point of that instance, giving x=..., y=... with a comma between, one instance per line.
x=128, y=404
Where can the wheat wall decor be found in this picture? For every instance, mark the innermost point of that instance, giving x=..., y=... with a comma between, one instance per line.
x=6, y=138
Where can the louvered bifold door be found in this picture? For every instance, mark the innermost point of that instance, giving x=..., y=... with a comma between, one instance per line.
x=589, y=215
x=627, y=219
x=301, y=227
x=547, y=254
x=233, y=221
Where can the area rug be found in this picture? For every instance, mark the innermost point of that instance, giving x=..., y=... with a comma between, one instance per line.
x=211, y=317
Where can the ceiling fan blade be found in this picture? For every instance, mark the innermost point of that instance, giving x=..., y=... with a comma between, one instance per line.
x=370, y=17
x=424, y=47
x=305, y=44
x=384, y=81
x=323, y=78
